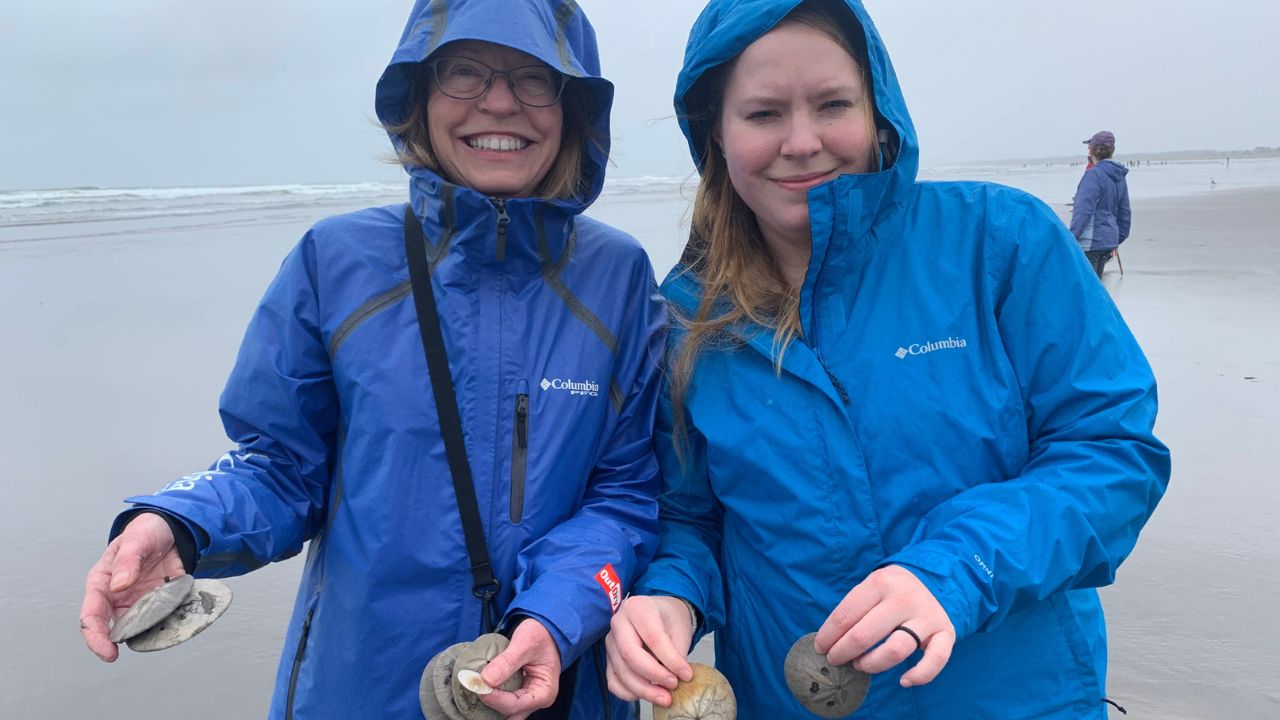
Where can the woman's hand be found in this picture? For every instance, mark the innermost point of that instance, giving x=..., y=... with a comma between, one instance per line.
x=139, y=559
x=532, y=650
x=872, y=611
x=647, y=648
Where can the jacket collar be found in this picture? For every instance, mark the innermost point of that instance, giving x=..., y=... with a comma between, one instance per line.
x=467, y=225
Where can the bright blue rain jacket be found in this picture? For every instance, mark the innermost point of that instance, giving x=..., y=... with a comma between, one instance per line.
x=554, y=329
x=966, y=403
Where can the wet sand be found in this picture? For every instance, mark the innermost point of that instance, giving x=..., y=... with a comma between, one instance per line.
x=118, y=337
x=1191, y=632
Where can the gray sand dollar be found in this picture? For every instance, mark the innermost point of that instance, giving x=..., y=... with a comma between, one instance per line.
x=825, y=691
x=204, y=603
x=443, y=695
x=151, y=608
x=708, y=696
x=474, y=657
x=435, y=692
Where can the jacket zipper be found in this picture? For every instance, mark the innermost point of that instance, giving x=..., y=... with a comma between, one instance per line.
x=297, y=664
x=600, y=679
x=844, y=395
x=519, y=456
x=839, y=388
x=503, y=221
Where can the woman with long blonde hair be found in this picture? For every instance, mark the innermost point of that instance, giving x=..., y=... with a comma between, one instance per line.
x=901, y=415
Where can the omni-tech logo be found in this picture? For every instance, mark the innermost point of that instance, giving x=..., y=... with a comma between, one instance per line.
x=574, y=387
x=950, y=343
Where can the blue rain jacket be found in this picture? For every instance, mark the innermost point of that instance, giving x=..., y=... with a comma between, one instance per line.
x=1100, y=213
x=966, y=403
x=554, y=328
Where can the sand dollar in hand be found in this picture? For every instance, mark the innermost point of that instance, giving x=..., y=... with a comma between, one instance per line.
x=707, y=696
x=151, y=608
x=204, y=603
x=451, y=686
x=825, y=691
x=467, y=685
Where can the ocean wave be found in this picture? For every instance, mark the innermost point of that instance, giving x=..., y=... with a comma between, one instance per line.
x=85, y=204
x=1053, y=182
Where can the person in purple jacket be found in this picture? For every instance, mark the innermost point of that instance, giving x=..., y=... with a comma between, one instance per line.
x=1100, y=216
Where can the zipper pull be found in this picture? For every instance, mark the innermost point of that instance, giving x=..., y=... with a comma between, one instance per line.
x=522, y=421
x=503, y=220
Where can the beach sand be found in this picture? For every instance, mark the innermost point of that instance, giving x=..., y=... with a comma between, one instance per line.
x=118, y=337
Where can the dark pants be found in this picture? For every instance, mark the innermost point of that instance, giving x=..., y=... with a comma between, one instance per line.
x=1098, y=259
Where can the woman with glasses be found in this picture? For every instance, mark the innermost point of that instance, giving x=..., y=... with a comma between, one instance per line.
x=552, y=329
x=901, y=415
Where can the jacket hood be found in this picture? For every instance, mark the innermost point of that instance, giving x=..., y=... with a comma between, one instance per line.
x=556, y=32
x=726, y=27
x=849, y=215
x=1113, y=169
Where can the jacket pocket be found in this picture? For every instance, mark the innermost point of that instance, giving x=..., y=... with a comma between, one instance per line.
x=519, y=454
x=297, y=658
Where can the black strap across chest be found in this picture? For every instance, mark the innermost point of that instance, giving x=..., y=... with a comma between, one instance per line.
x=484, y=584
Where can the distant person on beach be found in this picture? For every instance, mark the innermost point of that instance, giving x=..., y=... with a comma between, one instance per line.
x=1100, y=214
x=900, y=414
x=553, y=328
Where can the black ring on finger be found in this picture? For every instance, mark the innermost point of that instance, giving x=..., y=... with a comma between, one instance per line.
x=910, y=632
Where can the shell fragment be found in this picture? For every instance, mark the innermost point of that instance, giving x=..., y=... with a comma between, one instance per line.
x=471, y=680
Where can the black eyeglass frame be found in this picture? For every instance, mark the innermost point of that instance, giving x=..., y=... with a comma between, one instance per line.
x=488, y=81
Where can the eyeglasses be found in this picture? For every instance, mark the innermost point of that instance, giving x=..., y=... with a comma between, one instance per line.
x=466, y=79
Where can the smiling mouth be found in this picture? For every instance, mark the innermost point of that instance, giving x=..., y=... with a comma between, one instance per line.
x=496, y=143
x=807, y=180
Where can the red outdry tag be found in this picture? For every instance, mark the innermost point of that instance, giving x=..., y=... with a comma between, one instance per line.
x=608, y=580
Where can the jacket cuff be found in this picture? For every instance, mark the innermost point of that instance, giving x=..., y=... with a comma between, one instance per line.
x=946, y=579
x=184, y=538
x=672, y=587
x=515, y=616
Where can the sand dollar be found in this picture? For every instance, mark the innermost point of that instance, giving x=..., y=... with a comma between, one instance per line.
x=707, y=696
x=825, y=691
x=151, y=608
x=472, y=659
x=204, y=603
x=435, y=691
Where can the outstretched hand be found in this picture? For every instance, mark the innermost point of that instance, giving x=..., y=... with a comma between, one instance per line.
x=873, y=611
x=648, y=648
x=139, y=559
x=532, y=650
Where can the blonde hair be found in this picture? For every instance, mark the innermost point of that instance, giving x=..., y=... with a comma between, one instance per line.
x=741, y=284
x=566, y=178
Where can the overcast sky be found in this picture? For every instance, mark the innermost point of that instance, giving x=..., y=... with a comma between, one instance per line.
x=172, y=92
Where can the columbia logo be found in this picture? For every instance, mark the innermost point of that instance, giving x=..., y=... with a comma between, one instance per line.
x=950, y=343
x=573, y=387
